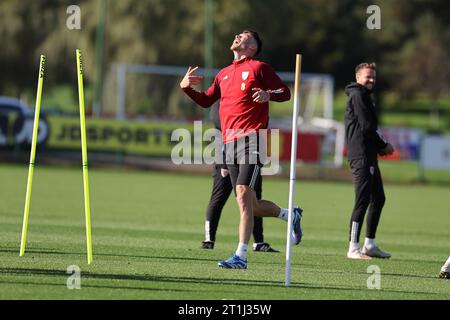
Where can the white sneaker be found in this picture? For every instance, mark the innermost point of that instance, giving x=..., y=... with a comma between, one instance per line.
x=376, y=252
x=357, y=254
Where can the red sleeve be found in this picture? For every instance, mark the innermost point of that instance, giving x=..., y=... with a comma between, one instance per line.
x=278, y=90
x=206, y=98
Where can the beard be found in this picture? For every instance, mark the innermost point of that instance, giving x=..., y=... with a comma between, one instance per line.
x=370, y=86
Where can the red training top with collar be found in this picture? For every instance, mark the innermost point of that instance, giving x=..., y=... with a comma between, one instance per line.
x=239, y=114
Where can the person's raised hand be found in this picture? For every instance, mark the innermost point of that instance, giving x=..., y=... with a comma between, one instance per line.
x=190, y=78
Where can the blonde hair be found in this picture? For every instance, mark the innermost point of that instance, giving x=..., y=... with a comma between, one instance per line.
x=364, y=65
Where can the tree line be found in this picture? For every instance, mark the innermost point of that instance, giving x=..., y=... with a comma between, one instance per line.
x=412, y=47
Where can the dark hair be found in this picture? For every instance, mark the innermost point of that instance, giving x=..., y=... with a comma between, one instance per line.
x=258, y=40
x=364, y=65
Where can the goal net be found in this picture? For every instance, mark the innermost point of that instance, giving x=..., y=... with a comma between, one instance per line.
x=152, y=92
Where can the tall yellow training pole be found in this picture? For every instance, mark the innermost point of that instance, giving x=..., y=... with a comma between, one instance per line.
x=32, y=156
x=298, y=68
x=87, y=208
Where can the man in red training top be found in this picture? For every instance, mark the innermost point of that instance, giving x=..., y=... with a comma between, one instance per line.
x=244, y=89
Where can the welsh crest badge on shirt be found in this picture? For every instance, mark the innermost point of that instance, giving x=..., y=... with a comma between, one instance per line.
x=244, y=77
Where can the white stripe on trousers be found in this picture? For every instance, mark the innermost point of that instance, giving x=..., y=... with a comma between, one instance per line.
x=207, y=231
x=354, y=234
x=254, y=177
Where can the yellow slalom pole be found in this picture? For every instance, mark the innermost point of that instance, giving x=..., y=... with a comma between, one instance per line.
x=87, y=208
x=32, y=156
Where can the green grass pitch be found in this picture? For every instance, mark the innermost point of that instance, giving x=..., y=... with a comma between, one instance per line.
x=147, y=227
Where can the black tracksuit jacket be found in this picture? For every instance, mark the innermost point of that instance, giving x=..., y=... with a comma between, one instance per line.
x=361, y=125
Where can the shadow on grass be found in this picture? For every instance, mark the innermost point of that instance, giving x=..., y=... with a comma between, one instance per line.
x=402, y=275
x=185, y=258
x=63, y=285
x=434, y=262
x=52, y=252
x=177, y=280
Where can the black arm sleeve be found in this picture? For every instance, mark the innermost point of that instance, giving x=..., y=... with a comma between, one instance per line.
x=366, y=119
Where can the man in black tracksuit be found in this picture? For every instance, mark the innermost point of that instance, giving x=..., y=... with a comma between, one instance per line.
x=221, y=191
x=364, y=144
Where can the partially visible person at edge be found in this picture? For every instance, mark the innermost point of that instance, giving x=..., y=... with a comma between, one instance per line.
x=364, y=144
x=445, y=270
x=244, y=89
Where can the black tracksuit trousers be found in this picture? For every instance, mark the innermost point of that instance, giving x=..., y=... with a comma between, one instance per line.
x=369, y=193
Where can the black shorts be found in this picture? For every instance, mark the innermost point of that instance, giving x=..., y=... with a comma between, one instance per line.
x=243, y=159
